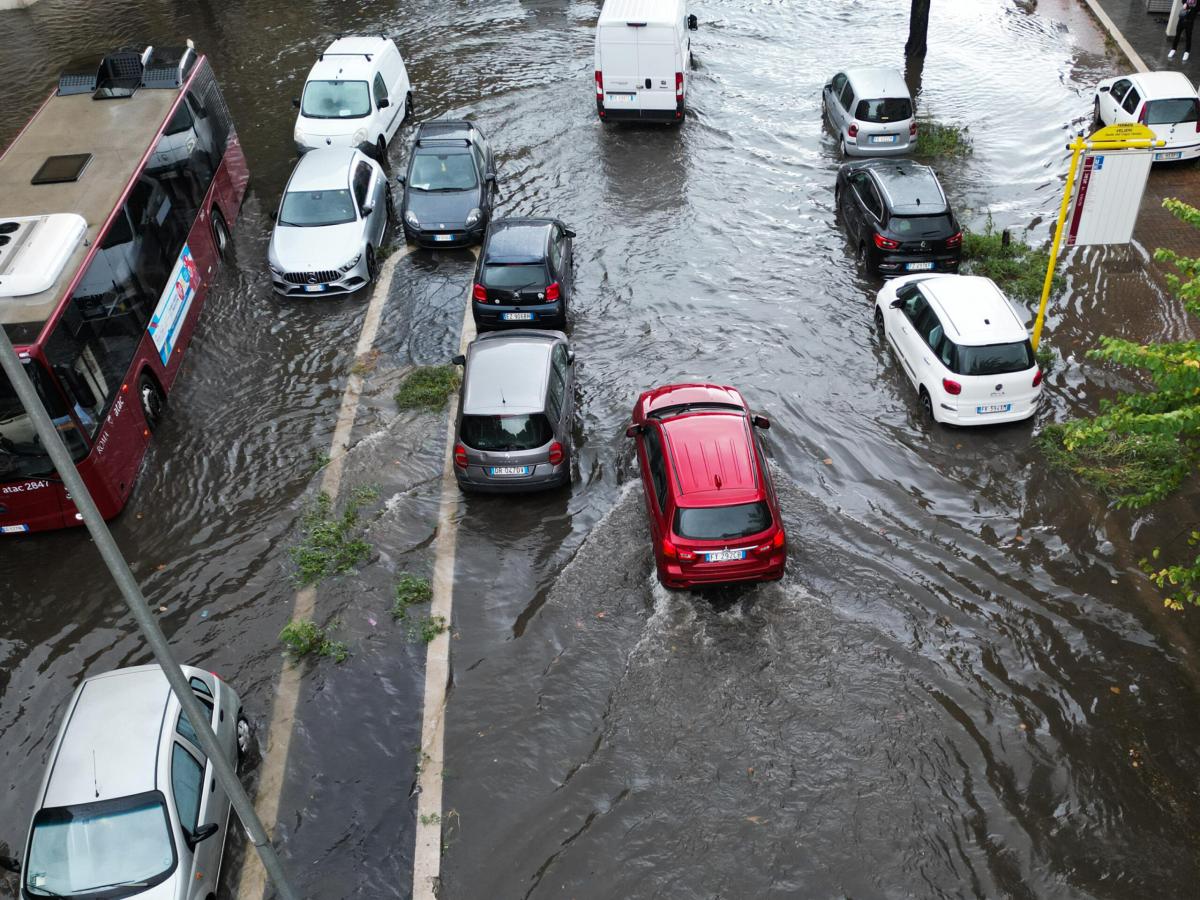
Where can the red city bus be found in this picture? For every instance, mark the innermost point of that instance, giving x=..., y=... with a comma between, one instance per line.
x=116, y=201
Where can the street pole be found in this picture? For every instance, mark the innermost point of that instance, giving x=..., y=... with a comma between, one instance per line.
x=133, y=597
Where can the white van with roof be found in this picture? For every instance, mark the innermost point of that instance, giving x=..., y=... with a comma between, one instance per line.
x=643, y=53
x=1166, y=102
x=357, y=94
x=871, y=111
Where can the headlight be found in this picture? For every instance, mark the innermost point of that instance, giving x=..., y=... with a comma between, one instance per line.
x=360, y=136
x=473, y=216
x=411, y=218
x=350, y=265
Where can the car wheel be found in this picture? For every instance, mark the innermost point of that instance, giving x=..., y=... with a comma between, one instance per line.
x=927, y=405
x=861, y=258
x=220, y=232
x=1097, y=122
x=381, y=149
x=372, y=265
x=845, y=152
x=245, y=741
x=388, y=215
x=152, y=400
x=879, y=326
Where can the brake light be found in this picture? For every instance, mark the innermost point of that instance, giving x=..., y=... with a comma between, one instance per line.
x=852, y=131
x=678, y=85
x=552, y=292
x=955, y=240
x=480, y=293
x=886, y=243
x=952, y=387
x=1037, y=377
x=775, y=543
x=668, y=550
x=599, y=84
x=556, y=453
x=460, y=456
x=912, y=129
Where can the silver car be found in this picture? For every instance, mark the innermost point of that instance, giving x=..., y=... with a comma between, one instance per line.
x=330, y=224
x=515, y=412
x=871, y=112
x=129, y=806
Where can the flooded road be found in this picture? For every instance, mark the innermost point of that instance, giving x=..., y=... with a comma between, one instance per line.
x=962, y=687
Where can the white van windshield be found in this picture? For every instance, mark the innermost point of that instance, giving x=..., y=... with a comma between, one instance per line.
x=336, y=100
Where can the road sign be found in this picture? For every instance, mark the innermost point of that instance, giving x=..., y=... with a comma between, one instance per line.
x=1108, y=197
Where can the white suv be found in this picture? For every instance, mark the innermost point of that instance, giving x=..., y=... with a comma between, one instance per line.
x=963, y=347
x=129, y=806
x=356, y=95
x=1166, y=102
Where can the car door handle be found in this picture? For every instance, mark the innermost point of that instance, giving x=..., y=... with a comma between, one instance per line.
x=212, y=789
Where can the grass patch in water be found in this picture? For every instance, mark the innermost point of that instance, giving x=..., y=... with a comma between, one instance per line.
x=942, y=139
x=410, y=591
x=427, y=387
x=426, y=629
x=1125, y=468
x=1016, y=267
x=302, y=638
x=332, y=544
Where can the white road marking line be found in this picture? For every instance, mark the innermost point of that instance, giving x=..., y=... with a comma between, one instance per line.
x=427, y=857
x=253, y=880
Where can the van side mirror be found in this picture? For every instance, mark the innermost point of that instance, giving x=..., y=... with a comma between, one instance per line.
x=761, y=422
x=296, y=102
x=400, y=179
x=367, y=209
x=571, y=357
x=274, y=215
x=203, y=833
x=1104, y=88
x=490, y=177
x=384, y=103
x=568, y=232
x=692, y=23
x=896, y=304
x=634, y=430
x=12, y=865
x=459, y=360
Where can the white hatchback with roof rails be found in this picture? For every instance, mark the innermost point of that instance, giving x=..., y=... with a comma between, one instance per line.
x=1166, y=102
x=963, y=347
x=357, y=94
x=871, y=111
x=130, y=806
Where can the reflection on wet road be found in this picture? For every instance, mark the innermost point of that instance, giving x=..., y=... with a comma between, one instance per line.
x=961, y=688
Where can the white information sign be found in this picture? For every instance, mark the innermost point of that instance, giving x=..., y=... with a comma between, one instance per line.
x=1108, y=196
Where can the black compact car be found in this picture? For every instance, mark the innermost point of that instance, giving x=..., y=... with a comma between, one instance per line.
x=523, y=277
x=449, y=185
x=897, y=217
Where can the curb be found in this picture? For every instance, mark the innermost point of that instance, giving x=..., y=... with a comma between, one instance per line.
x=1125, y=46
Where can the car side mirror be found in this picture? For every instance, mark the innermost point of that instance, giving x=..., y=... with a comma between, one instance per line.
x=459, y=360
x=1104, y=88
x=203, y=833
x=896, y=304
x=12, y=865
x=568, y=232
x=634, y=430
x=368, y=208
x=490, y=177
x=692, y=23
x=761, y=422
x=829, y=85
x=571, y=357
x=384, y=103
x=296, y=102
x=274, y=215
x=400, y=179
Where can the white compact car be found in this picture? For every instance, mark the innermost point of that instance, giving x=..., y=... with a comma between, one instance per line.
x=331, y=222
x=643, y=54
x=963, y=347
x=130, y=807
x=871, y=111
x=1166, y=102
x=356, y=95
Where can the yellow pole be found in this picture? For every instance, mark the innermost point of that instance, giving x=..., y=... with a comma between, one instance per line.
x=1077, y=148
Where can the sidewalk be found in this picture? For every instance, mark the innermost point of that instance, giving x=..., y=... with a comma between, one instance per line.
x=1145, y=35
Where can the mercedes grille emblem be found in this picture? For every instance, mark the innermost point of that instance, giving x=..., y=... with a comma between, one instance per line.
x=312, y=277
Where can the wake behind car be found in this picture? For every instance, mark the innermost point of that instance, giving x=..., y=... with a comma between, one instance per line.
x=357, y=95
x=449, y=186
x=1166, y=102
x=130, y=806
x=523, y=275
x=897, y=216
x=714, y=516
x=517, y=405
x=962, y=346
x=871, y=111
x=331, y=221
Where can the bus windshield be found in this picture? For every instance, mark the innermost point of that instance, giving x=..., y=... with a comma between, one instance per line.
x=22, y=454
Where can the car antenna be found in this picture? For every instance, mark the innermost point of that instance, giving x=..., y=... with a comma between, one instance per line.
x=717, y=479
x=95, y=777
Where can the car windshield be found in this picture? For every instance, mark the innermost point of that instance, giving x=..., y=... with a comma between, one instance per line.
x=443, y=172
x=718, y=523
x=890, y=109
x=1169, y=112
x=21, y=452
x=309, y=208
x=995, y=359
x=97, y=848
x=506, y=432
x=336, y=100
x=509, y=278
x=921, y=226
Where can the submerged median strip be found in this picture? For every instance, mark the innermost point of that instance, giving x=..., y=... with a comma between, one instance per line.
x=332, y=544
x=1017, y=267
x=427, y=388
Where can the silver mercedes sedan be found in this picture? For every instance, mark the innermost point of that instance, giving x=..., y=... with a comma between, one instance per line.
x=330, y=224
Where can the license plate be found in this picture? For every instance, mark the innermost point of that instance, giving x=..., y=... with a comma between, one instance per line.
x=918, y=267
x=509, y=470
x=724, y=555
x=994, y=408
x=1170, y=154
x=883, y=139
x=13, y=529
x=314, y=288
x=443, y=237
x=621, y=98
x=516, y=317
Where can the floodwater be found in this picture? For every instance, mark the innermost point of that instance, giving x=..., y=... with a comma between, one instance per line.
x=962, y=687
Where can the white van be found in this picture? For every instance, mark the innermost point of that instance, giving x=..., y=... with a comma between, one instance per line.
x=356, y=95
x=643, y=52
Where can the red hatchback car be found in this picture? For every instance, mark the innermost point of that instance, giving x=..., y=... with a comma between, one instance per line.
x=714, y=517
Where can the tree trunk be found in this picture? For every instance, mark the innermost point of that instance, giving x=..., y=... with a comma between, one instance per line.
x=918, y=29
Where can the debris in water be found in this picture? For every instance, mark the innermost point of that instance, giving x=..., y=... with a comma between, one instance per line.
x=204, y=613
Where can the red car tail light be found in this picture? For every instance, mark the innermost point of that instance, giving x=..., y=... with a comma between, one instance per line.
x=775, y=543
x=678, y=85
x=852, y=131
x=912, y=129
x=460, y=456
x=668, y=550
x=952, y=387
x=886, y=243
x=955, y=240
x=479, y=292
x=1037, y=377
x=556, y=453
x=553, y=292
x=599, y=84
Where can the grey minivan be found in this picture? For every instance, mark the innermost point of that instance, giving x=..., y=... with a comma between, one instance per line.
x=515, y=412
x=871, y=111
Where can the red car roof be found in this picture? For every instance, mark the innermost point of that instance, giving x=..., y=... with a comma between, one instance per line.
x=711, y=458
